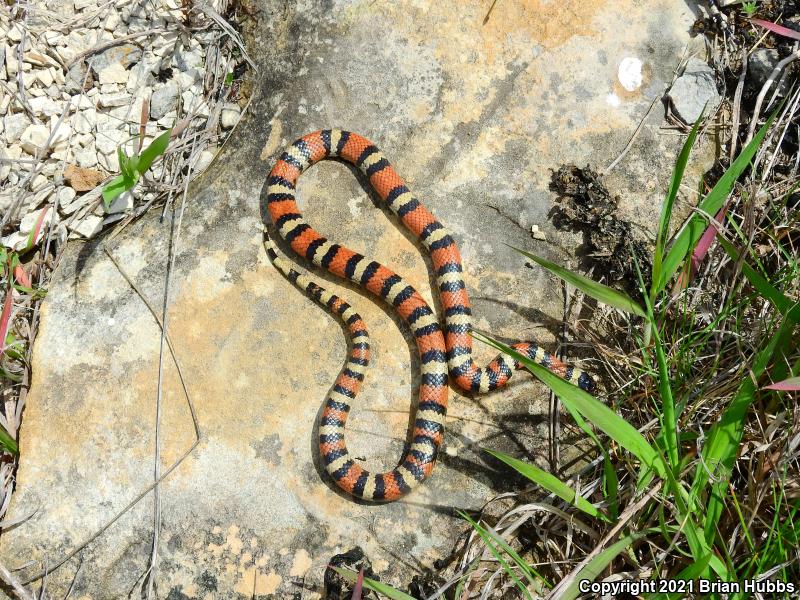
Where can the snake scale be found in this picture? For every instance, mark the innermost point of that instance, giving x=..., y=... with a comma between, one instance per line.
x=441, y=350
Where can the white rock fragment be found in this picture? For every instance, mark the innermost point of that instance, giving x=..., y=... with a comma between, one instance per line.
x=85, y=157
x=230, y=115
x=44, y=106
x=15, y=241
x=114, y=73
x=122, y=203
x=537, y=234
x=85, y=120
x=45, y=77
x=5, y=164
x=88, y=227
x=204, y=160
x=107, y=140
x=34, y=139
x=65, y=195
x=29, y=221
x=61, y=132
x=14, y=125
x=112, y=100
x=15, y=33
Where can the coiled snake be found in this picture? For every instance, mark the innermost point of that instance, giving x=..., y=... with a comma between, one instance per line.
x=440, y=350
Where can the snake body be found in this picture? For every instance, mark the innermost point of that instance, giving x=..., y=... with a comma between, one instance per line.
x=440, y=350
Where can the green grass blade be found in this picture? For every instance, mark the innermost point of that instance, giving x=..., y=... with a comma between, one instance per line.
x=722, y=446
x=549, y=482
x=591, y=408
x=598, y=291
x=153, y=151
x=711, y=204
x=8, y=442
x=666, y=209
x=760, y=283
x=496, y=553
x=115, y=187
x=487, y=535
x=597, y=565
x=375, y=586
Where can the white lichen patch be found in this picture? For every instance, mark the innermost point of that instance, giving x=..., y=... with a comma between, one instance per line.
x=630, y=74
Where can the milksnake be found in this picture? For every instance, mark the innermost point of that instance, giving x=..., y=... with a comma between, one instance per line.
x=439, y=350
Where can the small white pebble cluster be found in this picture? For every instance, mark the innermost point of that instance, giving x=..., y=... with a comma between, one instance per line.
x=74, y=77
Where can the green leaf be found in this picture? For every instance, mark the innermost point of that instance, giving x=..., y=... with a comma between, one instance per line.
x=153, y=151
x=666, y=209
x=691, y=233
x=375, y=586
x=549, y=482
x=115, y=187
x=598, y=291
x=597, y=565
x=590, y=407
x=8, y=442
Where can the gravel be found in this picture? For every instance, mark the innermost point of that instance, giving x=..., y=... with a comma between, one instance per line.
x=83, y=95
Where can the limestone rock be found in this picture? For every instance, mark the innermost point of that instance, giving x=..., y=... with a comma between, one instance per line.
x=229, y=115
x=124, y=55
x=14, y=125
x=34, y=139
x=163, y=100
x=694, y=90
x=88, y=227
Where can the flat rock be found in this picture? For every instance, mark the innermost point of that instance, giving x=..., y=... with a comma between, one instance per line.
x=475, y=117
x=124, y=55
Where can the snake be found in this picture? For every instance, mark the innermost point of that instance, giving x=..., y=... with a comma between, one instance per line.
x=444, y=352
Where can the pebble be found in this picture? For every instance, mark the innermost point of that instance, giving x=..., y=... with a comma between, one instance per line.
x=29, y=221
x=125, y=55
x=45, y=106
x=107, y=140
x=694, y=89
x=113, y=73
x=230, y=115
x=761, y=64
x=537, y=234
x=76, y=75
x=85, y=120
x=14, y=125
x=15, y=241
x=204, y=160
x=65, y=195
x=122, y=203
x=163, y=100
x=85, y=157
x=5, y=167
x=15, y=33
x=88, y=227
x=111, y=100
x=34, y=139
x=61, y=132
